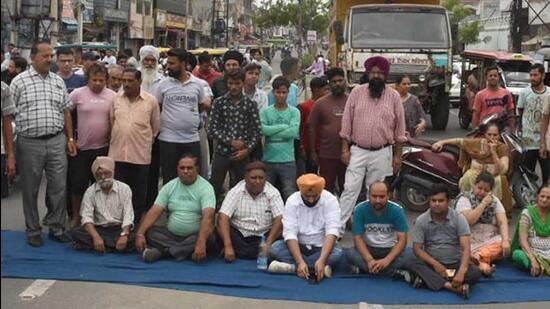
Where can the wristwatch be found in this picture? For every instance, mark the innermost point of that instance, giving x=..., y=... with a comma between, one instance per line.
x=124, y=233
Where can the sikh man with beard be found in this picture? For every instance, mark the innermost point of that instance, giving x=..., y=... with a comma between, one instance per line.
x=149, y=56
x=107, y=213
x=180, y=97
x=373, y=130
x=150, y=76
x=380, y=235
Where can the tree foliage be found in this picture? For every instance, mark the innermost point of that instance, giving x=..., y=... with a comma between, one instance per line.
x=283, y=13
x=468, y=33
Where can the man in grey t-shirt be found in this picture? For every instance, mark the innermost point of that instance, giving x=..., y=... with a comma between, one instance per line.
x=441, y=243
x=181, y=99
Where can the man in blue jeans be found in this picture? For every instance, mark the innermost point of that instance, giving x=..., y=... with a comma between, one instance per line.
x=280, y=126
x=379, y=234
x=310, y=228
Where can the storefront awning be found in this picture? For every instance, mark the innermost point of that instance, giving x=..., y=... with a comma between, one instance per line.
x=70, y=24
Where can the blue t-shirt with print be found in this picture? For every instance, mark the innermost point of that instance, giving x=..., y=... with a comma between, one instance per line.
x=379, y=231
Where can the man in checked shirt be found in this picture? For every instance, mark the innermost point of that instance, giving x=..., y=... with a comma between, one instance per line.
x=373, y=130
x=251, y=210
x=43, y=114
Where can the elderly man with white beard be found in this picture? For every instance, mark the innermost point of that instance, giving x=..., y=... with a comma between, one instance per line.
x=149, y=56
x=148, y=60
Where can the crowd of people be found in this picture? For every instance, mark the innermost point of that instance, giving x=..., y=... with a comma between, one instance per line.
x=106, y=134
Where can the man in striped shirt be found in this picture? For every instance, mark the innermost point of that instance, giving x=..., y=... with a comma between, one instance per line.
x=373, y=130
x=251, y=210
x=45, y=133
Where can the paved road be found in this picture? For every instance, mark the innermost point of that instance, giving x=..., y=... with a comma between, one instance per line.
x=63, y=294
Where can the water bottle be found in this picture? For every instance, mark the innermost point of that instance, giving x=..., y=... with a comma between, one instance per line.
x=262, y=255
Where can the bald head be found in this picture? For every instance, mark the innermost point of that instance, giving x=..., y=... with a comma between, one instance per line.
x=378, y=195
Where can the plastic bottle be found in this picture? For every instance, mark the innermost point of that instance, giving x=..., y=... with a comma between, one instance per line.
x=262, y=256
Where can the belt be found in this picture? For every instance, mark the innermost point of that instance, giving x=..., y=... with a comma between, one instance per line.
x=48, y=136
x=372, y=148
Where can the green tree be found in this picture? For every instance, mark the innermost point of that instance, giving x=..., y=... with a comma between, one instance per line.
x=467, y=34
x=282, y=13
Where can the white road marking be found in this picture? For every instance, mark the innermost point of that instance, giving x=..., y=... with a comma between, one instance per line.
x=370, y=306
x=36, y=289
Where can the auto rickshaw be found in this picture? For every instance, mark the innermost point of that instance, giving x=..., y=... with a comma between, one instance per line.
x=514, y=76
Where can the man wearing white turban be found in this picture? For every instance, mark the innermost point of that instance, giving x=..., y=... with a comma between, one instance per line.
x=107, y=212
x=149, y=56
x=150, y=75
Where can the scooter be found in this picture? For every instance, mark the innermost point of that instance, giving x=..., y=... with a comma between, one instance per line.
x=422, y=168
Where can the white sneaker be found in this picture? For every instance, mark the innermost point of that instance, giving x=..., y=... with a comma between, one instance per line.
x=282, y=268
x=354, y=269
x=328, y=271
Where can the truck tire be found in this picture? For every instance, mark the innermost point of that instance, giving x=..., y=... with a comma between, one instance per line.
x=440, y=109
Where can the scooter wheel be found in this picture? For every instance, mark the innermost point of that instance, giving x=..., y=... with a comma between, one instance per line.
x=413, y=198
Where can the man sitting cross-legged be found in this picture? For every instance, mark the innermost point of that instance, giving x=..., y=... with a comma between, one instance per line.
x=106, y=211
x=190, y=202
x=311, y=223
x=251, y=210
x=379, y=233
x=441, y=243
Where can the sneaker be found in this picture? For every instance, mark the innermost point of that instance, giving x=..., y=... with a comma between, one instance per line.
x=328, y=271
x=61, y=238
x=282, y=268
x=404, y=275
x=35, y=241
x=151, y=255
x=354, y=269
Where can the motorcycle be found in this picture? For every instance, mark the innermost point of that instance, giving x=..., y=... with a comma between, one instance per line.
x=422, y=168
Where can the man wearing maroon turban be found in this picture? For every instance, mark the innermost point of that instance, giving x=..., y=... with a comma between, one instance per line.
x=373, y=131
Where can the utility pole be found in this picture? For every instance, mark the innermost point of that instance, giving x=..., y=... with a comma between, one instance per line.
x=227, y=23
x=54, y=20
x=300, y=28
x=186, y=43
x=515, y=31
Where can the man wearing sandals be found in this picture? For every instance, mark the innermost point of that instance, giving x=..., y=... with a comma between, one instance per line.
x=441, y=243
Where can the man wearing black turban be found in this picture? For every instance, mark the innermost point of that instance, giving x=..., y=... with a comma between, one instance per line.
x=232, y=60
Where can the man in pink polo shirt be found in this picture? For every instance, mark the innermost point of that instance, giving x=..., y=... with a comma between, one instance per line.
x=493, y=100
x=373, y=122
x=93, y=104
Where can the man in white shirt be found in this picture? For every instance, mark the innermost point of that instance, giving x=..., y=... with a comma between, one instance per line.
x=109, y=58
x=107, y=212
x=252, y=210
x=310, y=228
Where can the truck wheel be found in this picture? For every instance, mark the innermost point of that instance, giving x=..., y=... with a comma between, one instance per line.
x=464, y=119
x=440, y=109
x=413, y=198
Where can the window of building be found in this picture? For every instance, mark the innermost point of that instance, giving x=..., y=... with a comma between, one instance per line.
x=147, y=8
x=139, y=7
